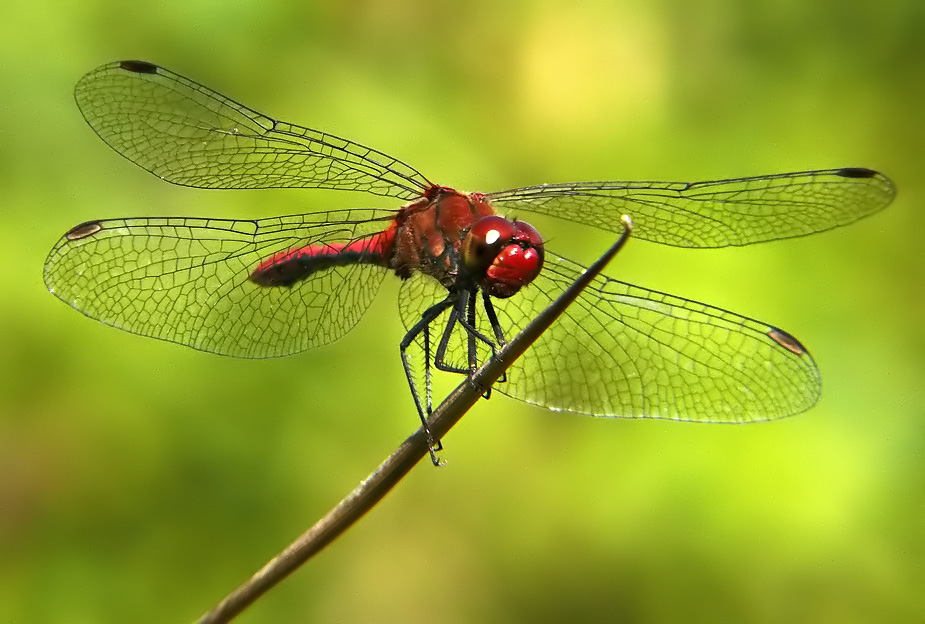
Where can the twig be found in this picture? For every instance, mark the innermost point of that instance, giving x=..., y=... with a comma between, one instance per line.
x=371, y=490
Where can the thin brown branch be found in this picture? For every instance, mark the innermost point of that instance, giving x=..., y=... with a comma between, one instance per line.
x=372, y=489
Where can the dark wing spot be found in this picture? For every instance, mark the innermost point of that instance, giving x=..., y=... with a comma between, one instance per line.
x=139, y=67
x=83, y=230
x=856, y=172
x=786, y=341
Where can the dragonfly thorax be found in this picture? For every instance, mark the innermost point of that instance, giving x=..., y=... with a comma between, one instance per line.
x=458, y=239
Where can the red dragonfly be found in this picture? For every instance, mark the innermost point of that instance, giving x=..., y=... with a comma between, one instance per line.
x=273, y=287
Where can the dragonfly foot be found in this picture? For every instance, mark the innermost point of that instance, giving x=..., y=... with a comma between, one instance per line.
x=434, y=447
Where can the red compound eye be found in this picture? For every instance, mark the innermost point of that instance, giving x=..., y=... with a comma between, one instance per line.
x=503, y=255
x=484, y=241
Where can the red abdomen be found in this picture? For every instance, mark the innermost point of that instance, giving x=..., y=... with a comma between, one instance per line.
x=289, y=267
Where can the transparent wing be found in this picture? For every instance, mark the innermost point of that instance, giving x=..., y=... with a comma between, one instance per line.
x=712, y=214
x=185, y=280
x=188, y=134
x=622, y=350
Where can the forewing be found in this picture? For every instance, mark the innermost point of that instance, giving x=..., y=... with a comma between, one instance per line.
x=188, y=134
x=712, y=214
x=185, y=280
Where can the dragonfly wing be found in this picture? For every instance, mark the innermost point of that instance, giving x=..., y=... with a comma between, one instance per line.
x=185, y=280
x=623, y=350
x=188, y=134
x=712, y=214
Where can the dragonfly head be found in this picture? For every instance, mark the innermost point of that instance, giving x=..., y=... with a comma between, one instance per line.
x=502, y=255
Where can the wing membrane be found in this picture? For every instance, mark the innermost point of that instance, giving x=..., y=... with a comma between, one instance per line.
x=185, y=280
x=190, y=135
x=719, y=213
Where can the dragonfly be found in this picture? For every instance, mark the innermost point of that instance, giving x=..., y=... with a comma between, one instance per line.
x=472, y=273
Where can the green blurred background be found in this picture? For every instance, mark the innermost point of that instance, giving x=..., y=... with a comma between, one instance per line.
x=140, y=481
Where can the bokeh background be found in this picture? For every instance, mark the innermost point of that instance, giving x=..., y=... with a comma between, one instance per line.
x=140, y=481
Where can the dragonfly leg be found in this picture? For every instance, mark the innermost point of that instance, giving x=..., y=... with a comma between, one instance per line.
x=495, y=326
x=423, y=326
x=473, y=334
x=433, y=445
x=493, y=319
x=470, y=336
x=464, y=313
x=473, y=354
x=440, y=356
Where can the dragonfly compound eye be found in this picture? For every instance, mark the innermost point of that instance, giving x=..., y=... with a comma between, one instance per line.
x=484, y=241
x=517, y=264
